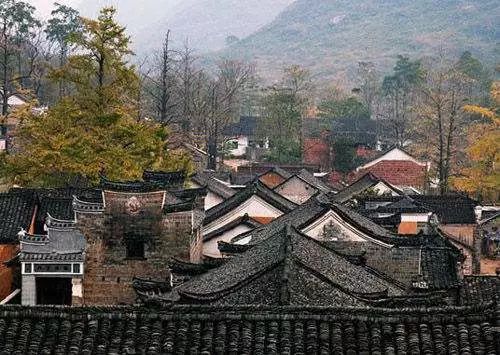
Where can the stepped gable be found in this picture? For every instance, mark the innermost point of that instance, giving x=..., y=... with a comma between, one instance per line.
x=257, y=188
x=247, y=330
x=57, y=207
x=366, y=181
x=213, y=185
x=16, y=212
x=276, y=271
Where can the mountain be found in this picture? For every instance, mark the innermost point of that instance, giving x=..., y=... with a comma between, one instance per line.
x=205, y=23
x=331, y=36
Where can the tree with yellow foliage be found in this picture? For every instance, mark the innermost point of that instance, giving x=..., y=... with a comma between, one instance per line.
x=92, y=131
x=481, y=177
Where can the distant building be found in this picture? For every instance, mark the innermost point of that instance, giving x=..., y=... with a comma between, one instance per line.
x=398, y=168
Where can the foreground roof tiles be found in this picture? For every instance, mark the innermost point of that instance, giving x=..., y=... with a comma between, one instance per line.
x=247, y=330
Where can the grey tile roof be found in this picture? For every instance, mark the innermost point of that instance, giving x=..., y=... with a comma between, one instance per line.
x=247, y=330
x=365, y=182
x=277, y=271
x=314, y=181
x=257, y=189
x=214, y=185
x=482, y=288
x=450, y=209
x=58, y=245
x=16, y=212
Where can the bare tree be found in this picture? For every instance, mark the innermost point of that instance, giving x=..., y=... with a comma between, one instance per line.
x=442, y=119
x=215, y=102
x=161, y=83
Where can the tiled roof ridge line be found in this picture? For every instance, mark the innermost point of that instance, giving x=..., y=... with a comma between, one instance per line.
x=304, y=312
x=346, y=257
x=217, y=294
x=287, y=257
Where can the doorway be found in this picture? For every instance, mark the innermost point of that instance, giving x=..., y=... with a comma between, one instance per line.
x=53, y=290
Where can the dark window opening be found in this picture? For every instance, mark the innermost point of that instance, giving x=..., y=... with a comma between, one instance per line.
x=135, y=250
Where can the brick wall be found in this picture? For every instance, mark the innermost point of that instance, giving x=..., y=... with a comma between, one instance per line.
x=397, y=172
x=108, y=273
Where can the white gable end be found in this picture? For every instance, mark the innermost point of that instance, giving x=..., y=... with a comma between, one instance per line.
x=342, y=231
x=394, y=154
x=254, y=207
x=211, y=248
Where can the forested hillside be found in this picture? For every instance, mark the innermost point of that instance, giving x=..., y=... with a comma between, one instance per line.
x=331, y=36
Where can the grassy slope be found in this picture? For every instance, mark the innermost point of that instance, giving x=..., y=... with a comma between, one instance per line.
x=331, y=36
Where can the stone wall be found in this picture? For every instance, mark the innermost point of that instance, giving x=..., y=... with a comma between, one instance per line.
x=108, y=272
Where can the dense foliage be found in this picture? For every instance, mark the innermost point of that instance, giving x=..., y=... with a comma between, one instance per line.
x=92, y=131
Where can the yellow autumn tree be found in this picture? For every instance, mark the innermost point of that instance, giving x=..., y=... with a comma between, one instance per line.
x=93, y=131
x=481, y=177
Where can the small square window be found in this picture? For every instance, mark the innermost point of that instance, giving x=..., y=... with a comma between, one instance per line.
x=27, y=268
x=135, y=249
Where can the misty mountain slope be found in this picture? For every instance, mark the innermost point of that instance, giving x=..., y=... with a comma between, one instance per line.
x=331, y=36
x=205, y=23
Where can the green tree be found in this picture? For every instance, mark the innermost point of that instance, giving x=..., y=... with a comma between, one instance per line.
x=64, y=23
x=17, y=26
x=399, y=94
x=92, y=131
x=348, y=111
x=282, y=110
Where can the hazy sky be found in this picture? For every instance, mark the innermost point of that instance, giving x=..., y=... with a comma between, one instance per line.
x=45, y=6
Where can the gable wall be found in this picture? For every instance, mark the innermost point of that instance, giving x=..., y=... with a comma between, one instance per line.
x=271, y=179
x=210, y=248
x=212, y=200
x=255, y=207
x=296, y=190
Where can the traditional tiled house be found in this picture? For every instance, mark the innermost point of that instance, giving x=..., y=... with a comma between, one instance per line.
x=454, y=214
x=367, y=184
x=347, y=231
x=398, y=168
x=217, y=190
x=256, y=201
x=301, y=187
x=52, y=264
x=133, y=229
x=282, y=295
